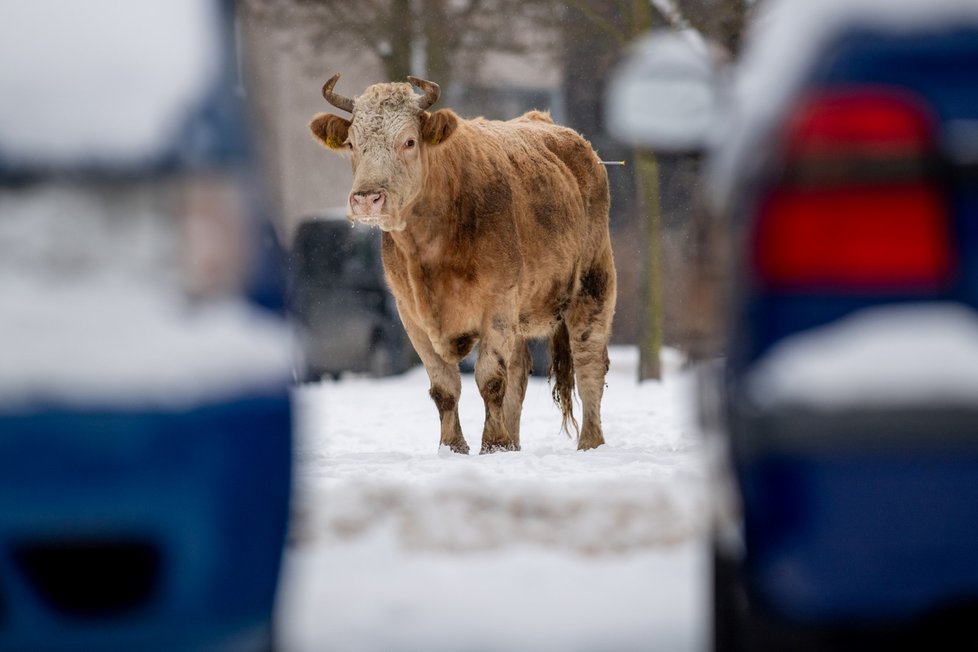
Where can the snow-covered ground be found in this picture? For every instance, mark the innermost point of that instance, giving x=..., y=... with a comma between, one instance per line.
x=399, y=546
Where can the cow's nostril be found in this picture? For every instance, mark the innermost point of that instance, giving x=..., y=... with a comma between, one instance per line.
x=367, y=201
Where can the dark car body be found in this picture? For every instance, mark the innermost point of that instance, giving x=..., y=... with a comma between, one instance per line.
x=344, y=313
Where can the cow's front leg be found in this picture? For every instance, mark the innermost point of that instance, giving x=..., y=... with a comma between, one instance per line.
x=519, y=371
x=491, y=375
x=446, y=385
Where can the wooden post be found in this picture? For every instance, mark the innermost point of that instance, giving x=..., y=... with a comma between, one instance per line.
x=650, y=328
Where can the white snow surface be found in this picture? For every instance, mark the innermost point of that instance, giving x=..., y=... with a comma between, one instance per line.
x=397, y=545
x=101, y=79
x=883, y=356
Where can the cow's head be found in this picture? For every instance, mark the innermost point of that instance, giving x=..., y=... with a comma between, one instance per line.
x=386, y=140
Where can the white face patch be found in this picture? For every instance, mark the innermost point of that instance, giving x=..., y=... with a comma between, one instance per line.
x=385, y=110
x=384, y=116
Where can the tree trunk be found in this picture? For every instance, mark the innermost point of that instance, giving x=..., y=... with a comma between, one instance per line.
x=733, y=17
x=397, y=63
x=437, y=43
x=650, y=336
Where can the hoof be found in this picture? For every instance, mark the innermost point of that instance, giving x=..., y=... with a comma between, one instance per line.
x=497, y=447
x=588, y=444
x=458, y=446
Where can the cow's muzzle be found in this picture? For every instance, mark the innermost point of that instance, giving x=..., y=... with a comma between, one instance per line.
x=367, y=203
x=372, y=208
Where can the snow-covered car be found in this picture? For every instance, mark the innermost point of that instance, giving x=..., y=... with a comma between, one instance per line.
x=842, y=170
x=145, y=421
x=344, y=314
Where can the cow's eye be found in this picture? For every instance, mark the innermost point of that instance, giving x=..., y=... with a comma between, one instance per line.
x=410, y=143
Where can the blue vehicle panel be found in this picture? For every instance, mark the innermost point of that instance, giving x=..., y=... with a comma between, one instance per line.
x=149, y=529
x=862, y=537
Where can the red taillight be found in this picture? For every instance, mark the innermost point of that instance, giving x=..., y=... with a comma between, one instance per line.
x=876, y=121
x=855, y=209
x=854, y=238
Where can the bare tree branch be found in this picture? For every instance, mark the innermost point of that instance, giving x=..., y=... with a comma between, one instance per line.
x=670, y=12
x=598, y=20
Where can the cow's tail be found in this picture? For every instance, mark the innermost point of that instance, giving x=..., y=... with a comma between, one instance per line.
x=562, y=375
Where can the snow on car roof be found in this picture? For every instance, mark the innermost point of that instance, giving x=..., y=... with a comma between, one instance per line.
x=95, y=315
x=887, y=356
x=117, y=343
x=102, y=80
x=781, y=44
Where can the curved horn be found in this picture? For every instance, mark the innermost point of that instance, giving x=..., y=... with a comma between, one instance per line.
x=337, y=100
x=431, y=91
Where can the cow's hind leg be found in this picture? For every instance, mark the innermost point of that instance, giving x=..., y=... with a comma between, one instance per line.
x=446, y=385
x=588, y=320
x=492, y=375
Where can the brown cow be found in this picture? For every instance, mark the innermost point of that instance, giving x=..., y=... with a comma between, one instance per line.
x=494, y=232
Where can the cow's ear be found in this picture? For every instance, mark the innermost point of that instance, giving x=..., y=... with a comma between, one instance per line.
x=330, y=130
x=438, y=126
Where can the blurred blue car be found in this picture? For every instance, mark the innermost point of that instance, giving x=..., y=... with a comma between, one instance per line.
x=843, y=191
x=145, y=423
